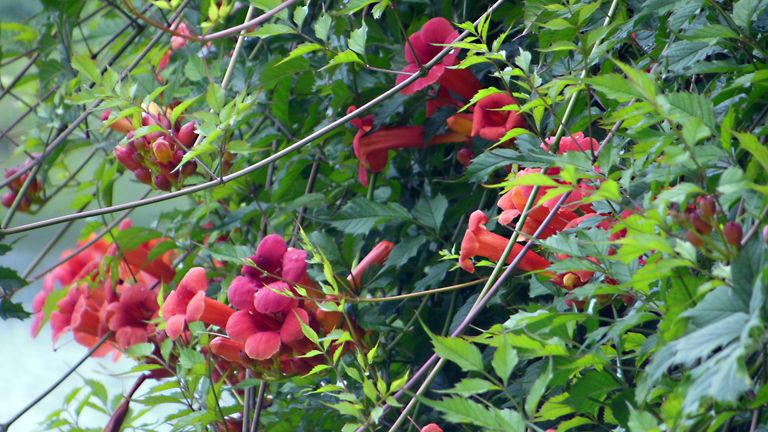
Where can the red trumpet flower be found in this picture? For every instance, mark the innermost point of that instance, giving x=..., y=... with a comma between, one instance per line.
x=377, y=256
x=423, y=46
x=372, y=147
x=129, y=317
x=478, y=241
x=490, y=121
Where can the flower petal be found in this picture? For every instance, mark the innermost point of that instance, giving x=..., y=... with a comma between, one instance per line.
x=274, y=298
x=262, y=345
x=291, y=330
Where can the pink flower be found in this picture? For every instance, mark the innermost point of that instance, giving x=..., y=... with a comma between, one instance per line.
x=492, y=123
x=175, y=306
x=129, y=317
x=264, y=335
x=423, y=46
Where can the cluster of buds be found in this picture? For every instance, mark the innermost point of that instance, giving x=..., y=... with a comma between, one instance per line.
x=31, y=196
x=154, y=158
x=704, y=219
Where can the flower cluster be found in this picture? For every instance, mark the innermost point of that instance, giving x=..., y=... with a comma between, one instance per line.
x=269, y=304
x=490, y=118
x=154, y=158
x=100, y=301
x=706, y=223
x=31, y=196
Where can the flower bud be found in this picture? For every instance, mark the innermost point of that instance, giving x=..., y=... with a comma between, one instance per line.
x=162, y=182
x=570, y=280
x=699, y=223
x=707, y=207
x=8, y=199
x=162, y=151
x=124, y=155
x=188, y=168
x=25, y=204
x=733, y=233
x=694, y=239
x=187, y=135
x=464, y=156
x=143, y=175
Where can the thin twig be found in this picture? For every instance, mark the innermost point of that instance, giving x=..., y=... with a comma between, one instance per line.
x=259, y=406
x=245, y=171
x=4, y=427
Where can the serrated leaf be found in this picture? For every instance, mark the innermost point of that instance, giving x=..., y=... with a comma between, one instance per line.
x=361, y=215
x=86, y=66
x=357, y=39
x=504, y=360
x=431, y=211
x=537, y=390
x=465, y=354
x=322, y=27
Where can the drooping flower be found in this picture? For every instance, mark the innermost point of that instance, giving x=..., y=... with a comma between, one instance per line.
x=432, y=427
x=175, y=306
x=478, y=241
x=423, y=46
x=490, y=121
x=372, y=147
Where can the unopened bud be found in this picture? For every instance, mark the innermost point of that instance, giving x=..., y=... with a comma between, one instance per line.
x=733, y=233
x=707, y=207
x=188, y=168
x=464, y=156
x=162, y=182
x=765, y=235
x=187, y=135
x=125, y=155
x=162, y=150
x=694, y=239
x=699, y=223
x=143, y=175
x=8, y=199
x=570, y=280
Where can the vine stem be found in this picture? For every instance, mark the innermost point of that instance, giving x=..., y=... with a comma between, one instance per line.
x=4, y=427
x=81, y=118
x=259, y=406
x=247, y=170
x=492, y=282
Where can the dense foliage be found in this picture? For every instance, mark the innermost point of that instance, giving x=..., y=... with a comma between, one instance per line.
x=352, y=176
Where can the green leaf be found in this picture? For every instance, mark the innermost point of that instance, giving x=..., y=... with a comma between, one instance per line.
x=746, y=11
x=322, y=27
x=9, y=310
x=504, y=360
x=466, y=355
x=357, y=39
x=299, y=51
x=641, y=421
x=299, y=14
x=10, y=281
x=343, y=57
x=140, y=350
x=215, y=97
x=471, y=386
x=86, y=66
x=271, y=29
x=404, y=250
x=537, y=390
x=361, y=215
x=681, y=105
x=430, y=211
x=750, y=143
x=462, y=410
